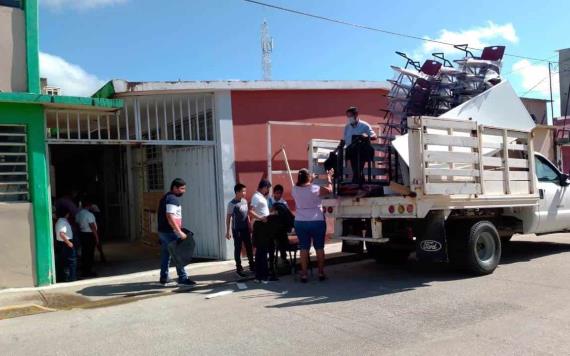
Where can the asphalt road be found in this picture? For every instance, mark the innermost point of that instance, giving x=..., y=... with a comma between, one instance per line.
x=364, y=308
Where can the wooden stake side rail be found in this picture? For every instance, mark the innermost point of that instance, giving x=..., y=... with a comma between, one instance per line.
x=460, y=157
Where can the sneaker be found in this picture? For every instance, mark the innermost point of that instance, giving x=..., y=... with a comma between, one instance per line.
x=163, y=281
x=241, y=273
x=187, y=282
x=265, y=281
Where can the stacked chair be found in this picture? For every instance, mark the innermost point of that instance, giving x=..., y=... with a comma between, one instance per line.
x=433, y=88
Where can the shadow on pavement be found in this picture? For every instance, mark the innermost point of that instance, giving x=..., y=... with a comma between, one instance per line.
x=522, y=251
x=347, y=282
x=372, y=279
x=134, y=289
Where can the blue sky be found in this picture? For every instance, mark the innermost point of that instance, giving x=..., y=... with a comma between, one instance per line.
x=87, y=42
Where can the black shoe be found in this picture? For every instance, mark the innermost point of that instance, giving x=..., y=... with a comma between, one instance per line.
x=322, y=277
x=187, y=282
x=164, y=281
x=241, y=273
x=273, y=278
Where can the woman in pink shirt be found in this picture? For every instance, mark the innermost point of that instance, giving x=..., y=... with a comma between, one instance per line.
x=310, y=224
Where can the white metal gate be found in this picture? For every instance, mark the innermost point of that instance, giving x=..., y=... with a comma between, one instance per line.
x=196, y=165
x=169, y=119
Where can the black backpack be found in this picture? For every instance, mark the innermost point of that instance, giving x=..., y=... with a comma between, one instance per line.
x=286, y=217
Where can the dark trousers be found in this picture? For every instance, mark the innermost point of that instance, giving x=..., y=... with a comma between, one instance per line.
x=88, y=244
x=282, y=241
x=66, y=262
x=261, y=267
x=359, y=154
x=262, y=238
x=242, y=237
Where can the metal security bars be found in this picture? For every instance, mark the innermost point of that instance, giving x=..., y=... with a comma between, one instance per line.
x=154, y=169
x=13, y=164
x=154, y=119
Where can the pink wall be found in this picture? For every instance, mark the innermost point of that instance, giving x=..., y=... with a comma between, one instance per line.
x=252, y=109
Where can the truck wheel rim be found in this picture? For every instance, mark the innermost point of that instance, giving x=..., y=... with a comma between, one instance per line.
x=485, y=247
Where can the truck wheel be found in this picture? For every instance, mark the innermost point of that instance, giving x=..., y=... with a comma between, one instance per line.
x=482, y=248
x=386, y=255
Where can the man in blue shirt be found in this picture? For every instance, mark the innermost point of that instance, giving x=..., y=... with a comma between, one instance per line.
x=357, y=137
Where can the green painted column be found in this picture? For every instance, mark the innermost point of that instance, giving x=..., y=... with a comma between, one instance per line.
x=32, y=45
x=32, y=115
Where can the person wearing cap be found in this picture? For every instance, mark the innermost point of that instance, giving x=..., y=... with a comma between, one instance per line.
x=357, y=152
x=310, y=225
x=262, y=235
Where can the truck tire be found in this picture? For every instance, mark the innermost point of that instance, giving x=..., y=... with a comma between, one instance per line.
x=482, y=248
x=386, y=255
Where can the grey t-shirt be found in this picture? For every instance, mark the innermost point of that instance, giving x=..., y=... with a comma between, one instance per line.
x=238, y=209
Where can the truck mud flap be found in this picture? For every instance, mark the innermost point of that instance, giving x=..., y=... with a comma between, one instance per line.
x=431, y=246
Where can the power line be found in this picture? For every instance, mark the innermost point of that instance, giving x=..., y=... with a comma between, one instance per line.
x=530, y=65
x=534, y=86
x=543, y=79
x=376, y=29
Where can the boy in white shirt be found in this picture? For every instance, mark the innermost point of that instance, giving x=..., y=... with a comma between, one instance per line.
x=65, y=251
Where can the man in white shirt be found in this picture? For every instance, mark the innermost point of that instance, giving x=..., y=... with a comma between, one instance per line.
x=89, y=237
x=66, y=264
x=259, y=212
x=358, y=152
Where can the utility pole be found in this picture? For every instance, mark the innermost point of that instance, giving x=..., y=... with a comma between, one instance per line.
x=551, y=101
x=266, y=50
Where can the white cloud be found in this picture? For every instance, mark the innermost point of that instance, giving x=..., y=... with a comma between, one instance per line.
x=80, y=4
x=535, y=77
x=477, y=37
x=71, y=78
x=535, y=84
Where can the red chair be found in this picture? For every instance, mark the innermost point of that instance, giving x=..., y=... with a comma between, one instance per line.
x=493, y=53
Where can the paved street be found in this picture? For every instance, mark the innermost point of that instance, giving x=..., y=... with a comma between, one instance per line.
x=365, y=308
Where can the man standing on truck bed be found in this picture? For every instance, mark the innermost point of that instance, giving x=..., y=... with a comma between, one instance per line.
x=357, y=137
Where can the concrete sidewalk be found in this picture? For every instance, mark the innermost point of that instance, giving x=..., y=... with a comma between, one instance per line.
x=100, y=292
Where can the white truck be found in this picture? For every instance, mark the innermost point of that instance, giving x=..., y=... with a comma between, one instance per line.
x=469, y=188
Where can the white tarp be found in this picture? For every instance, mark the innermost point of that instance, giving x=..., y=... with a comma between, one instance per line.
x=499, y=106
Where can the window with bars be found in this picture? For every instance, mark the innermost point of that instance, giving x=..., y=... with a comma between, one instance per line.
x=13, y=164
x=153, y=165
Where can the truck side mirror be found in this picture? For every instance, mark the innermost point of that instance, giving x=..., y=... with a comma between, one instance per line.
x=564, y=180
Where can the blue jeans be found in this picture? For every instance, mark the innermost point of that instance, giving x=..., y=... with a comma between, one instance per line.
x=165, y=239
x=308, y=231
